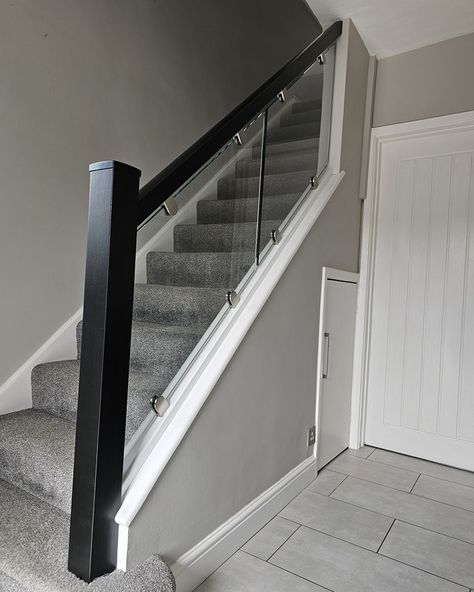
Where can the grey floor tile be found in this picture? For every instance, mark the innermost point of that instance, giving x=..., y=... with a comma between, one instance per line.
x=410, y=508
x=368, y=470
x=363, y=452
x=445, y=491
x=336, y=518
x=424, y=466
x=342, y=567
x=270, y=538
x=326, y=482
x=244, y=573
x=435, y=553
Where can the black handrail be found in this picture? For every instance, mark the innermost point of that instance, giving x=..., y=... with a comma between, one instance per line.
x=116, y=209
x=161, y=187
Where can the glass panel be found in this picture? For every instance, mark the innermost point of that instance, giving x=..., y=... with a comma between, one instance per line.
x=296, y=148
x=183, y=288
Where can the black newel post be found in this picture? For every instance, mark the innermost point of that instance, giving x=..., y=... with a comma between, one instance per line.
x=105, y=356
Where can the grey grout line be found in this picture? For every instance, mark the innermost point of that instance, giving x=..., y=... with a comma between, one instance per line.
x=286, y=540
x=387, y=464
x=378, y=554
x=435, y=532
x=367, y=457
x=367, y=480
x=405, y=521
x=386, y=535
x=439, y=502
x=289, y=572
x=329, y=494
x=414, y=484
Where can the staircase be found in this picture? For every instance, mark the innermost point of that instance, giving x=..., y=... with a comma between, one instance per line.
x=185, y=290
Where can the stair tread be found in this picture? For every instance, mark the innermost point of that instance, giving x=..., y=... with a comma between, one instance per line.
x=55, y=388
x=34, y=539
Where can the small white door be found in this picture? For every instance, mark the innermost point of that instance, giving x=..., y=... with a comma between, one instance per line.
x=336, y=354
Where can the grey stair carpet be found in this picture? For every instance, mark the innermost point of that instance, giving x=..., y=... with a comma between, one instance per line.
x=285, y=148
x=280, y=163
x=184, y=292
x=302, y=106
x=225, y=237
x=222, y=270
x=9, y=585
x=220, y=211
x=276, y=184
x=34, y=542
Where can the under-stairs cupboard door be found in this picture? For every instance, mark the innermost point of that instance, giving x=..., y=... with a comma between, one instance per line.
x=420, y=383
x=336, y=358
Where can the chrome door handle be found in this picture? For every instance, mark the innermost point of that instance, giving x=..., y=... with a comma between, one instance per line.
x=326, y=355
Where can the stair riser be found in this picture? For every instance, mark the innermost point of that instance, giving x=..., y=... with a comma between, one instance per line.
x=167, y=306
x=236, y=211
x=55, y=388
x=310, y=145
x=302, y=118
x=208, y=269
x=294, y=132
x=289, y=183
x=303, y=106
x=158, y=352
x=219, y=237
x=276, y=165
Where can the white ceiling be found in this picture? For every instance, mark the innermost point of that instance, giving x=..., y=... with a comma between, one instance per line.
x=389, y=27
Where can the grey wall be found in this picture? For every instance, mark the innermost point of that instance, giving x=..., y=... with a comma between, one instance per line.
x=252, y=430
x=427, y=82
x=136, y=81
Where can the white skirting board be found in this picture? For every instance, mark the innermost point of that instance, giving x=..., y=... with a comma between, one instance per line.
x=192, y=568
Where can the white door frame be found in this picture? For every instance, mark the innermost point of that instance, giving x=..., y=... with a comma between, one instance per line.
x=329, y=273
x=380, y=137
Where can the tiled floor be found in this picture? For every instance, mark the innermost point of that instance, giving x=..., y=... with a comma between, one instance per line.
x=373, y=521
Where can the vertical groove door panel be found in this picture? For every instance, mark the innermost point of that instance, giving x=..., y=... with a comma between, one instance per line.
x=421, y=333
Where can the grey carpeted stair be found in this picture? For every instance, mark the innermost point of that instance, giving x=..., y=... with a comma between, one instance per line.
x=220, y=270
x=284, y=148
x=291, y=133
x=36, y=455
x=280, y=163
x=301, y=118
x=221, y=237
x=302, y=106
x=276, y=184
x=34, y=542
x=219, y=211
x=159, y=350
x=9, y=585
x=56, y=384
x=185, y=290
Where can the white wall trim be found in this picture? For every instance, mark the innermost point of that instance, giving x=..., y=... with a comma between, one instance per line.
x=381, y=136
x=192, y=568
x=162, y=439
x=328, y=273
x=339, y=97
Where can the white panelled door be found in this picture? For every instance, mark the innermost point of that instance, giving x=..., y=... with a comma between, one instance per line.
x=420, y=383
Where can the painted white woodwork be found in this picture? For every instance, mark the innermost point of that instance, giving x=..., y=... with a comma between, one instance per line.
x=335, y=363
x=419, y=283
